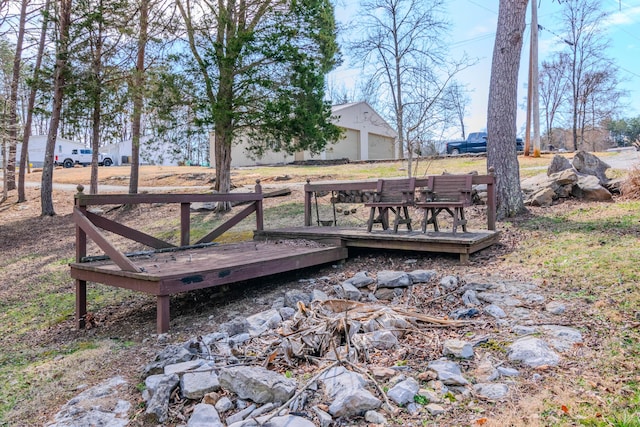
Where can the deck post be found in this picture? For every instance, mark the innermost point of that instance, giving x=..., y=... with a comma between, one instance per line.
x=491, y=200
x=185, y=223
x=307, y=204
x=259, y=208
x=81, y=252
x=163, y=317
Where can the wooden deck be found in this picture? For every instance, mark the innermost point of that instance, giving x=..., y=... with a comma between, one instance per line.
x=165, y=274
x=171, y=268
x=463, y=244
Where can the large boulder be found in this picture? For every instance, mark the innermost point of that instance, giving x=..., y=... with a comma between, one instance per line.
x=558, y=164
x=589, y=188
x=535, y=183
x=588, y=164
x=542, y=197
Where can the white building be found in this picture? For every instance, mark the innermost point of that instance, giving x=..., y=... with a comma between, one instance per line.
x=367, y=136
x=158, y=154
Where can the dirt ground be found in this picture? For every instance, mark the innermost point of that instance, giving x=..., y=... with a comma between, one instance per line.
x=125, y=330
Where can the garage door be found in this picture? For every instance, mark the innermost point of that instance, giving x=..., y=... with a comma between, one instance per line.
x=380, y=147
x=348, y=147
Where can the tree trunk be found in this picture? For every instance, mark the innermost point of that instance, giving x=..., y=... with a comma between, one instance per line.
x=224, y=122
x=138, y=98
x=24, y=154
x=223, y=166
x=3, y=151
x=97, y=104
x=502, y=109
x=62, y=51
x=13, y=100
x=95, y=142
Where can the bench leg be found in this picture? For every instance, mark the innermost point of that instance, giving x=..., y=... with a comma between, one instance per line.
x=372, y=215
x=397, y=219
x=459, y=219
x=162, y=310
x=407, y=218
x=463, y=220
x=384, y=218
x=400, y=219
x=430, y=217
x=81, y=303
x=454, y=214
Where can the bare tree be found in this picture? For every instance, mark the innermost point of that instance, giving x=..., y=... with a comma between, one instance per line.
x=586, y=42
x=599, y=98
x=403, y=54
x=554, y=87
x=3, y=151
x=458, y=100
x=13, y=98
x=502, y=109
x=60, y=67
x=31, y=103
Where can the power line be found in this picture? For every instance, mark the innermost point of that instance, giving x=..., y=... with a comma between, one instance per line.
x=482, y=7
x=471, y=40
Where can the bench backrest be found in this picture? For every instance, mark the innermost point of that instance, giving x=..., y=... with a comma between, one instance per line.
x=455, y=188
x=395, y=190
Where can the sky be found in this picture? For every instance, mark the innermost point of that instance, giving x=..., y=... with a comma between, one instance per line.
x=473, y=28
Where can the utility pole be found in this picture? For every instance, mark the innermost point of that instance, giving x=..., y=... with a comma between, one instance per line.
x=535, y=92
x=527, y=132
x=533, y=97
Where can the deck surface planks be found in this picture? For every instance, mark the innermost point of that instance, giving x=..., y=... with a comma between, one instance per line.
x=463, y=244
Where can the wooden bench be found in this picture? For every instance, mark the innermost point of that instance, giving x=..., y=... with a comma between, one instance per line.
x=395, y=195
x=450, y=193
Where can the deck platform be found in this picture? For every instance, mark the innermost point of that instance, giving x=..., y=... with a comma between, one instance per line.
x=165, y=274
x=463, y=244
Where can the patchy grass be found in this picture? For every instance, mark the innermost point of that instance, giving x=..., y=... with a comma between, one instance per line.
x=589, y=255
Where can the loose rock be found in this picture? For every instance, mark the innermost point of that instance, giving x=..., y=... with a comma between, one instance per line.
x=532, y=352
x=194, y=385
x=347, y=393
x=97, y=406
x=257, y=383
x=555, y=307
x=360, y=280
x=292, y=297
x=457, y=348
x=422, y=276
x=491, y=391
x=158, y=405
x=351, y=292
x=204, y=415
x=403, y=392
x=448, y=372
x=393, y=279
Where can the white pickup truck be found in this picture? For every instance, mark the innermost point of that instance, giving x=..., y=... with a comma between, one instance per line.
x=81, y=156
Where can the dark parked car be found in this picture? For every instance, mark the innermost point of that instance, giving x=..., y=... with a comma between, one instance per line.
x=476, y=142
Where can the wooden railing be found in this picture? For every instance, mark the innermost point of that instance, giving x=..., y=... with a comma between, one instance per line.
x=370, y=186
x=89, y=224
